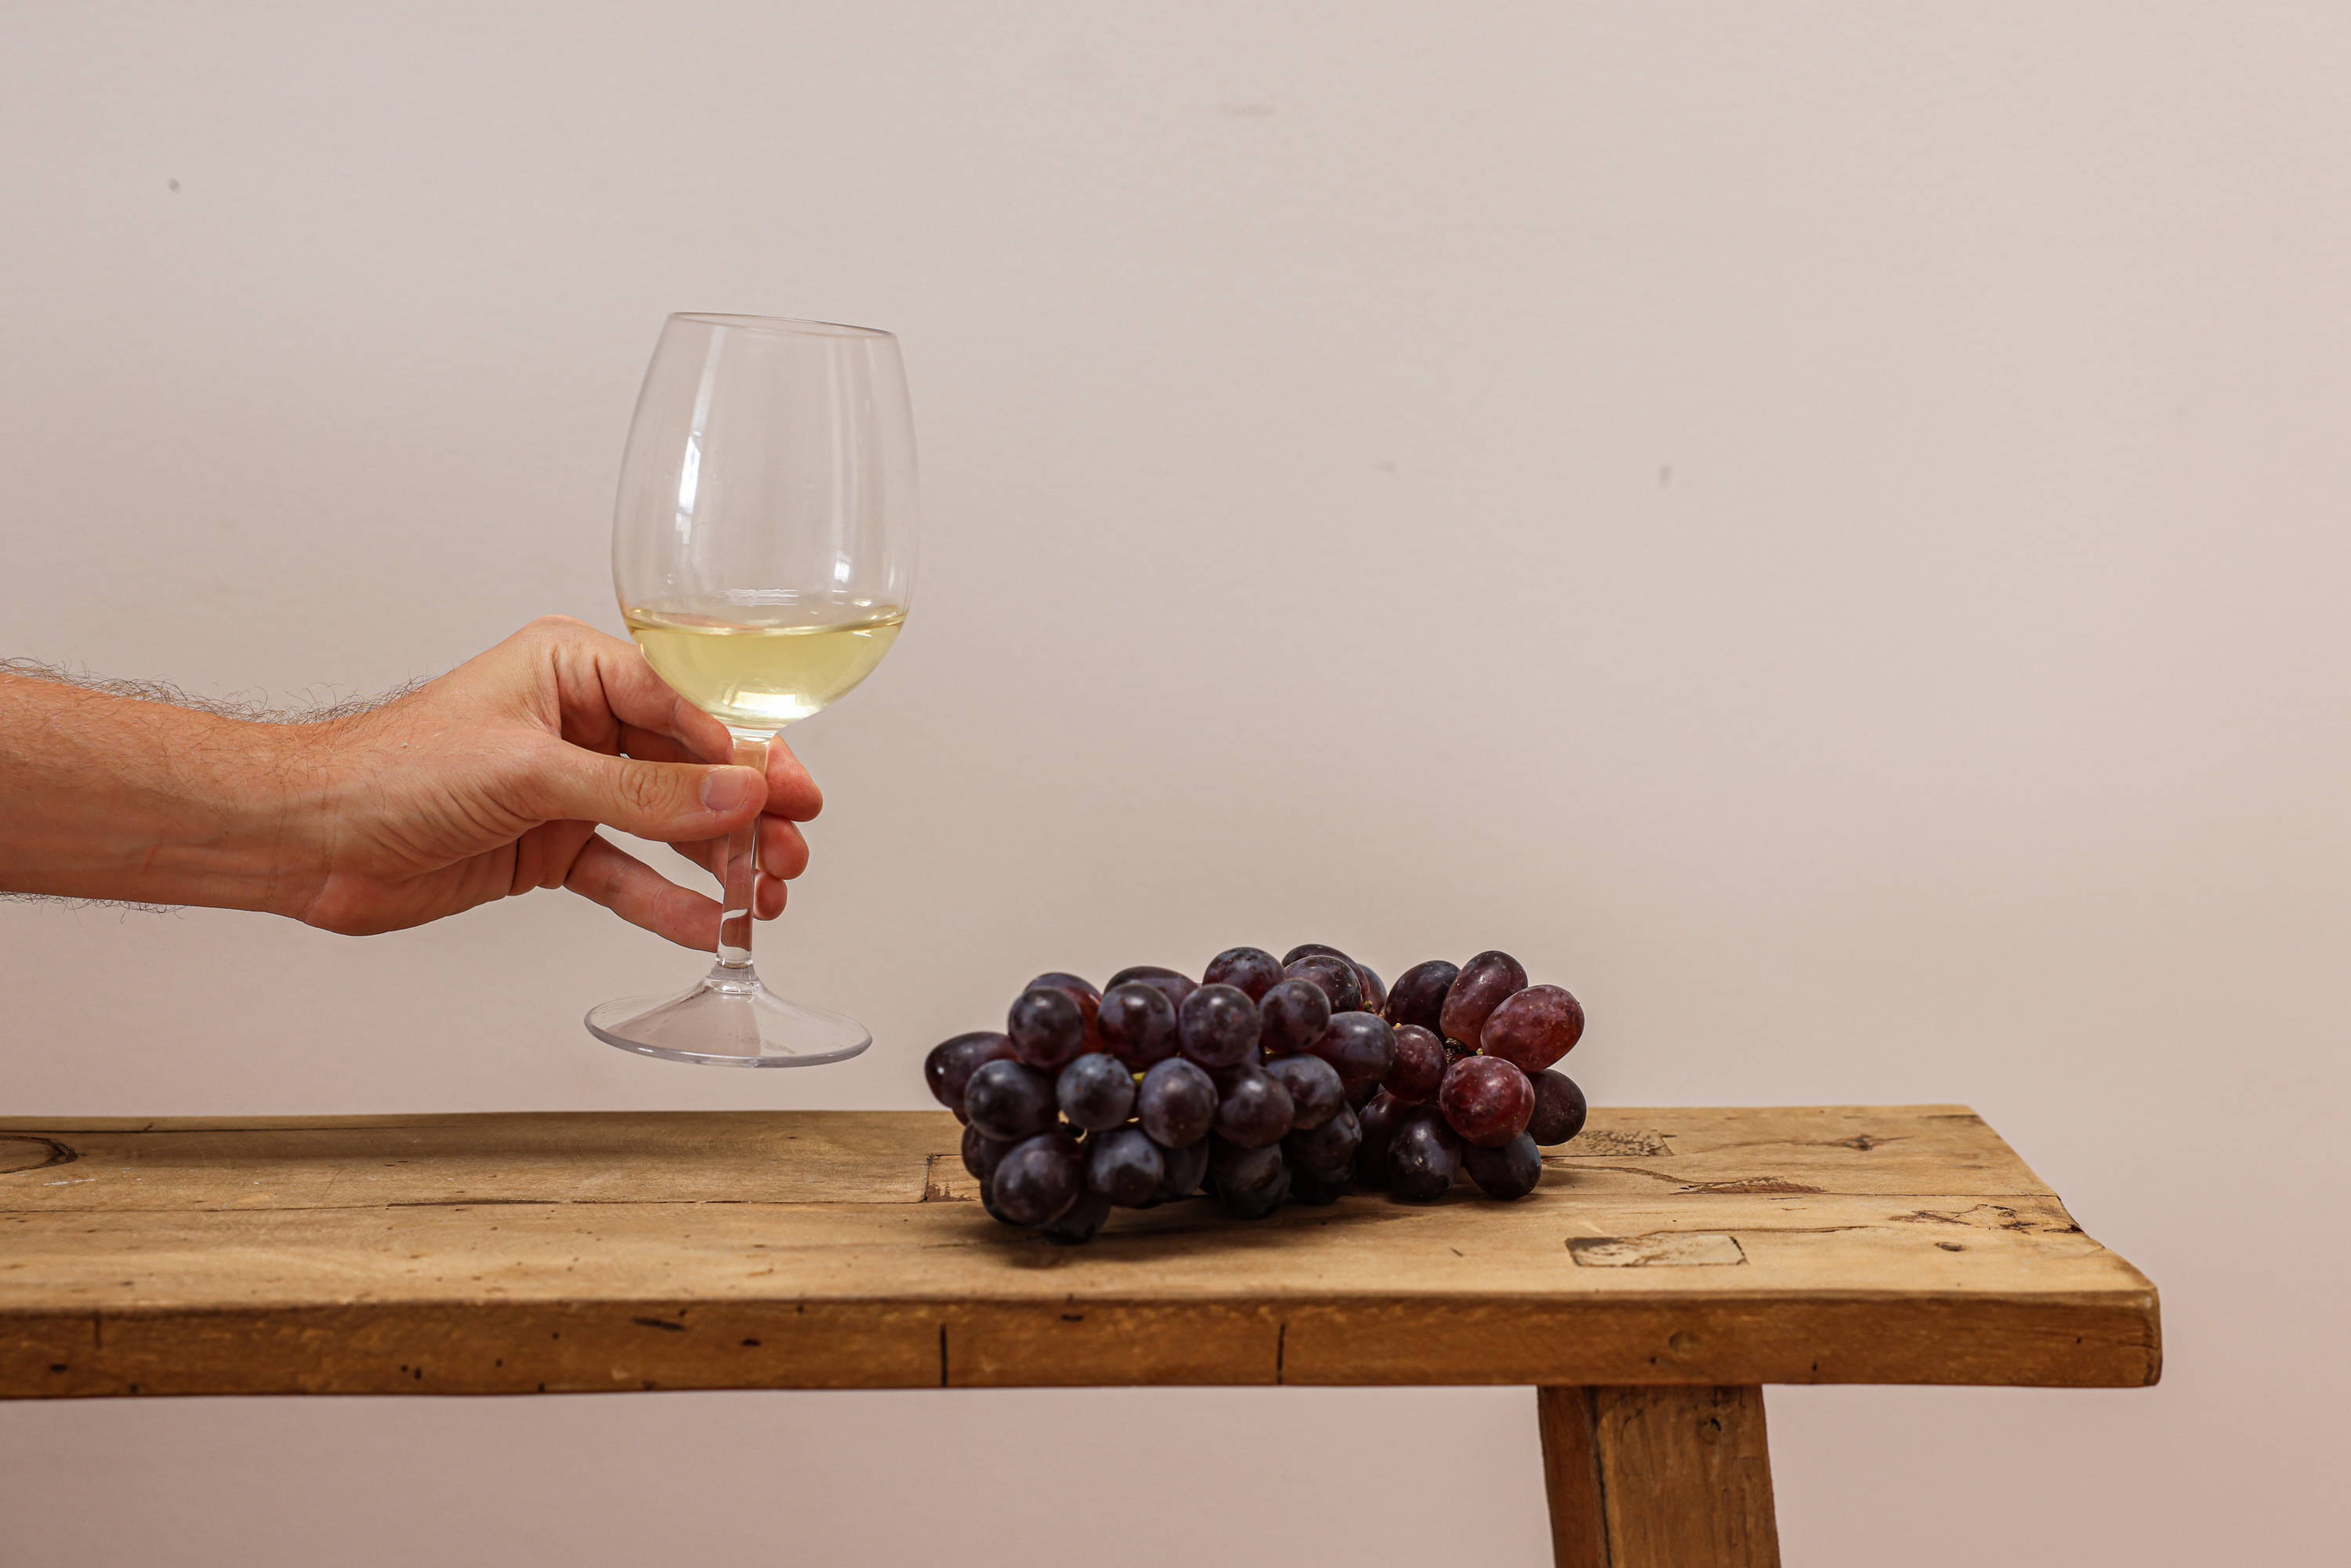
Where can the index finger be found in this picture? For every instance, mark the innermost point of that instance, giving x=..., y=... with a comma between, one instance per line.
x=791, y=793
x=607, y=679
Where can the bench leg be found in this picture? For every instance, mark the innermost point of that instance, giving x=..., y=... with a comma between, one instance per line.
x=1658, y=1477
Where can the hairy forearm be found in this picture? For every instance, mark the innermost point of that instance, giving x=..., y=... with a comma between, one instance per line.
x=111, y=796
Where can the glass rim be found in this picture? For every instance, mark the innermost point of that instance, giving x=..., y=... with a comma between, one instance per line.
x=787, y=325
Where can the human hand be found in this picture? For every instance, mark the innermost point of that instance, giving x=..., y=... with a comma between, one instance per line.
x=492, y=780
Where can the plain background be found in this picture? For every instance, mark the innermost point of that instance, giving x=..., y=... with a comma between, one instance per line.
x=1820, y=526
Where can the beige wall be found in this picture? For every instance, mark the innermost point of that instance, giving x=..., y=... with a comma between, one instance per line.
x=1821, y=527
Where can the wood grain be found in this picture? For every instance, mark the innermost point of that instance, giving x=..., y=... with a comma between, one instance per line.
x=510, y=1253
x=1658, y=1478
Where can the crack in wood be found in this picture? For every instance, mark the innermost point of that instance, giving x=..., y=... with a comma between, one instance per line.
x=52, y=1153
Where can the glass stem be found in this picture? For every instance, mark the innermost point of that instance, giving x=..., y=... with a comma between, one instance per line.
x=740, y=875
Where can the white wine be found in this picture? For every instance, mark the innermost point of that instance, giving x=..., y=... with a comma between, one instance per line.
x=758, y=665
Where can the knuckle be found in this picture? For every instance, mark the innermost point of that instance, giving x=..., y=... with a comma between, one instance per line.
x=647, y=787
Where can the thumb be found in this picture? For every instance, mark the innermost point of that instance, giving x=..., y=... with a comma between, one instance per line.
x=674, y=802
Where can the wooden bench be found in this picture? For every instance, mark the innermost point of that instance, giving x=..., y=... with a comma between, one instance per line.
x=1672, y=1262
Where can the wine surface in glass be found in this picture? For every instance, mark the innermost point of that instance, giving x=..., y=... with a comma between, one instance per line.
x=757, y=661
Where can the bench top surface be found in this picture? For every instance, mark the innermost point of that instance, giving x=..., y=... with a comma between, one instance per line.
x=494, y=1253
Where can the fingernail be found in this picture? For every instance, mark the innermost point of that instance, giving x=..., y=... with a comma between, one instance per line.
x=724, y=789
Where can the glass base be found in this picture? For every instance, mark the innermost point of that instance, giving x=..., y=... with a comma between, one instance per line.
x=728, y=1020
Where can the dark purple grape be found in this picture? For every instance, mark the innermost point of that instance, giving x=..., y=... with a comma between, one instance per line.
x=1378, y=1122
x=1485, y=1100
x=1232, y=1166
x=1253, y=1186
x=1250, y=969
x=948, y=1068
x=1420, y=1063
x=981, y=1152
x=1079, y=991
x=1292, y=1016
x=1096, y=1091
x=1259, y=1204
x=1176, y=1104
x=1303, y=948
x=1510, y=1170
x=1167, y=982
x=1363, y=1047
x=1255, y=1110
x=1047, y=1026
x=1009, y=1101
x=1315, y=1093
x=1559, y=1108
x=1423, y=1157
x=1124, y=1167
x=1334, y=973
x=1418, y=995
x=1039, y=1178
x=995, y=1209
x=1216, y=1026
x=1187, y=1168
x=1315, y=1187
x=1078, y=1223
x=1137, y=1024
x=1328, y=1148
x=1533, y=1027
x=1480, y=988
x=1371, y=994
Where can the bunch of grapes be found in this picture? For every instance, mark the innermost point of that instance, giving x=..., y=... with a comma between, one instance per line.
x=1267, y=1080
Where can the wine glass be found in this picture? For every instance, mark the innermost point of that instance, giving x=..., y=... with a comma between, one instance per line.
x=763, y=549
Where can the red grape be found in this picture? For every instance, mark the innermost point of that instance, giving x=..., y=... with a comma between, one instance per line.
x=1418, y=995
x=1420, y=1063
x=1534, y=1028
x=1303, y=948
x=1479, y=988
x=1370, y=994
x=1485, y=1100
